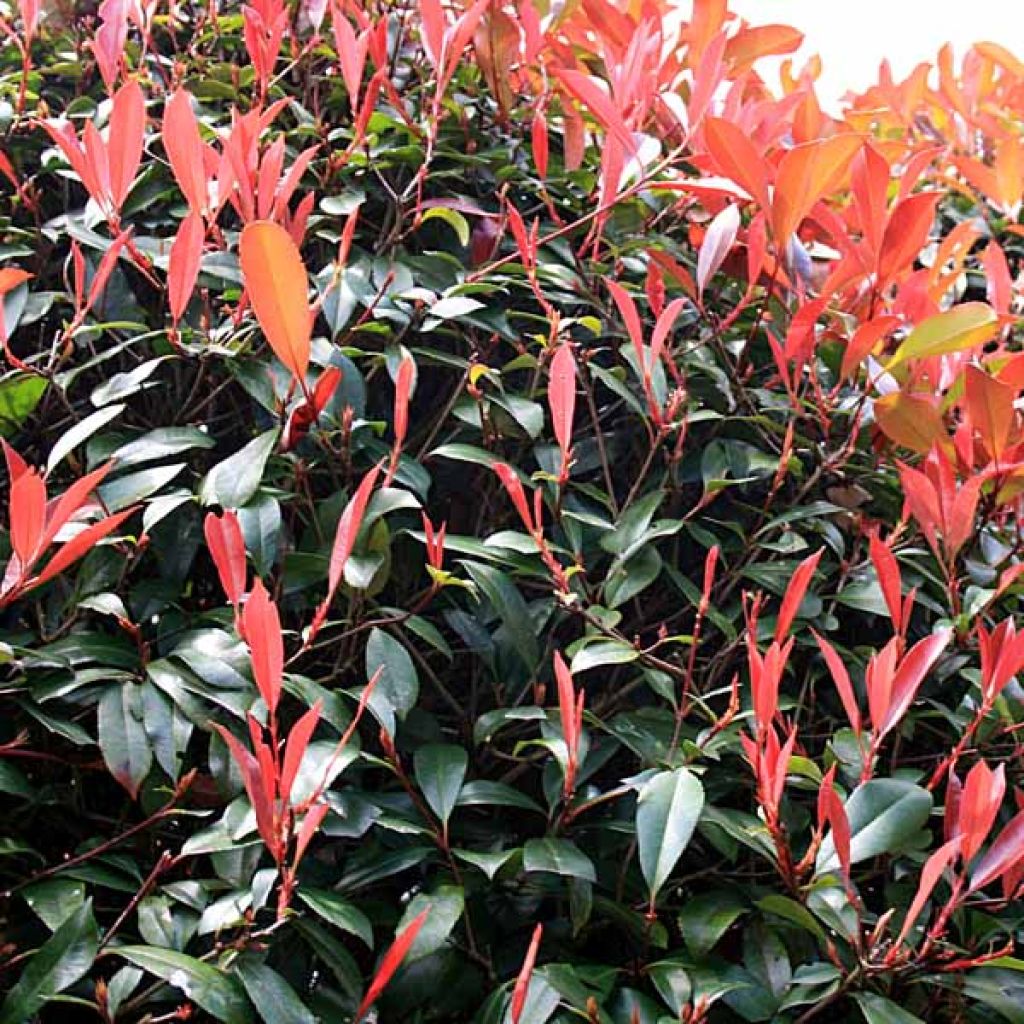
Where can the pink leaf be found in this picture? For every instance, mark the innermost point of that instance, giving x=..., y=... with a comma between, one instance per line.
x=184, y=263
x=718, y=241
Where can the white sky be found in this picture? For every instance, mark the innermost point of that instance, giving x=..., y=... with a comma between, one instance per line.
x=852, y=36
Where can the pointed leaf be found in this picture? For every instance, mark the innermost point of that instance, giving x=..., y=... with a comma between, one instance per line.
x=961, y=328
x=667, y=812
x=440, y=770
x=278, y=288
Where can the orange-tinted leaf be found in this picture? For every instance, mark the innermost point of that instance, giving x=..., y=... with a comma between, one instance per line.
x=870, y=182
x=864, y=340
x=278, y=288
x=911, y=421
x=496, y=41
x=906, y=235
x=990, y=404
x=751, y=44
x=806, y=174
x=11, y=278
x=737, y=158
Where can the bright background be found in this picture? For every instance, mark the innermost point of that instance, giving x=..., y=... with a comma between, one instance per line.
x=852, y=36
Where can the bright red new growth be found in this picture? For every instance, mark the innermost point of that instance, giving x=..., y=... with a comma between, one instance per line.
x=795, y=593
x=522, y=985
x=344, y=541
x=36, y=523
x=391, y=962
x=261, y=625
x=570, y=713
x=227, y=548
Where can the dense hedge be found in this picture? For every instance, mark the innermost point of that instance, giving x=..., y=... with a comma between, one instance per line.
x=511, y=517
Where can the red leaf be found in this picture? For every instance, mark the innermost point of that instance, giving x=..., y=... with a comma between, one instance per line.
x=392, y=959
x=930, y=875
x=63, y=508
x=795, y=593
x=227, y=549
x=28, y=515
x=888, y=572
x=344, y=540
x=539, y=143
x=567, y=714
x=183, y=266
x=81, y=544
x=262, y=626
x=631, y=318
x=999, y=282
x=870, y=183
x=106, y=267
x=403, y=386
x=522, y=985
x=310, y=823
x=351, y=52
x=841, y=678
x=665, y=323
x=298, y=740
x=108, y=44
x=513, y=485
x=254, y=787
x=592, y=93
x=980, y=799
x=831, y=808
x=864, y=340
x=124, y=147
x=910, y=675
x=906, y=235
x=1001, y=856
x=562, y=399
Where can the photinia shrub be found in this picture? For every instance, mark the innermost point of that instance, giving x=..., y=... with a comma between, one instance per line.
x=510, y=516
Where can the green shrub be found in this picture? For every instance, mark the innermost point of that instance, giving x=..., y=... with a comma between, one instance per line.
x=511, y=518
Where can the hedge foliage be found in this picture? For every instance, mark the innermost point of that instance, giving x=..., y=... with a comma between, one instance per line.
x=511, y=516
